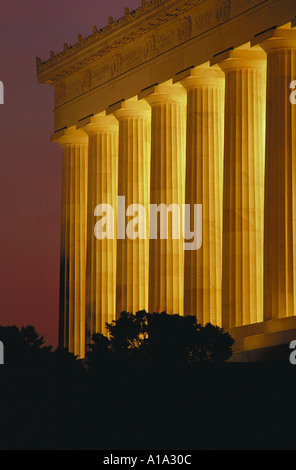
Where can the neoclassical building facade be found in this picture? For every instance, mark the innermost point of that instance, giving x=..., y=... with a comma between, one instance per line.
x=183, y=103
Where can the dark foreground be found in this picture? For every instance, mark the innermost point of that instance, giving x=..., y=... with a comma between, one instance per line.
x=228, y=407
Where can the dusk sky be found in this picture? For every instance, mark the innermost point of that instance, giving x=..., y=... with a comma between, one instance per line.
x=30, y=166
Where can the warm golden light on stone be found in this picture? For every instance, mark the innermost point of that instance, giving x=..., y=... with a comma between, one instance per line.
x=102, y=133
x=73, y=239
x=204, y=185
x=134, y=184
x=168, y=135
x=243, y=194
x=180, y=103
x=280, y=202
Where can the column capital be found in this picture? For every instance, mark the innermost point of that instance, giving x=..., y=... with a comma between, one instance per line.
x=252, y=58
x=165, y=92
x=204, y=76
x=132, y=107
x=277, y=39
x=69, y=135
x=98, y=123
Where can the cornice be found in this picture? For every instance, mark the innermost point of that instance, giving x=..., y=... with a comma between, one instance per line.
x=102, y=41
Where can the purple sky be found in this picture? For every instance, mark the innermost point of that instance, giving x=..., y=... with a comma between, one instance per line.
x=30, y=166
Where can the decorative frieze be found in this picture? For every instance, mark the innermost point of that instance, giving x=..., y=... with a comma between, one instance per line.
x=153, y=32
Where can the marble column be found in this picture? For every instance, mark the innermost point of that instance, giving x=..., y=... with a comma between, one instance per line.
x=280, y=178
x=102, y=132
x=134, y=118
x=204, y=185
x=73, y=239
x=243, y=202
x=168, y=153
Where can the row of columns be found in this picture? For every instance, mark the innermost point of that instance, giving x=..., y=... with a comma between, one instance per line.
x=199, y=141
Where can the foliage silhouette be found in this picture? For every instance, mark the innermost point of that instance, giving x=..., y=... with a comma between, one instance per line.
x=159, y=340
x=26, y=355
x=156, y=382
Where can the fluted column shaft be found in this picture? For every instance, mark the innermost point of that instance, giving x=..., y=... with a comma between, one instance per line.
x=243, y=203
x=168, y=141
x=73, y=240
x=134, y=185
x=102, y=131
x=204, y=185
x=280, y=178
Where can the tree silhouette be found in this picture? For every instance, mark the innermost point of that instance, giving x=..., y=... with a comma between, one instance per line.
x=160, y=339
x=27, y=356
x=32, y=338
x=24, y=348
x=99, y=355
x=145, y=371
